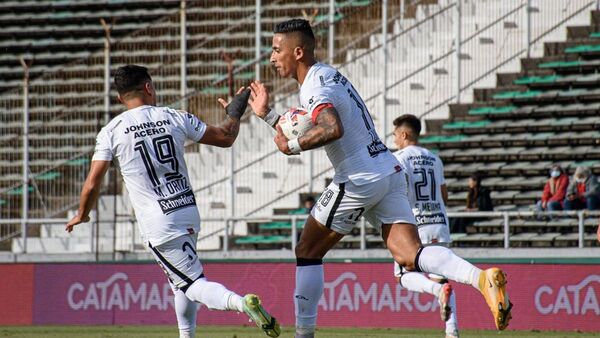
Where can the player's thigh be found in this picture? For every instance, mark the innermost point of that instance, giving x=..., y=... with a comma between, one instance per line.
x=179, y=261
x=315, y=240
x=341, y=205
x=393, y=205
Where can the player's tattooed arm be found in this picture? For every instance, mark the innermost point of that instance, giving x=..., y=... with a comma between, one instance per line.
x=222, y=135
x=328, y=128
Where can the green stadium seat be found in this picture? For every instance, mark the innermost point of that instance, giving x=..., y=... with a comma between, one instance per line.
x=263, y=240
x=18, y=191
x=537, y=79
x=78, y=161
x=559, y=64
x=280, y=225
x=299, y=211
x=48, y=176
x=517, y=94
x=3, y=202
x=583, y=49
x=466, y=124
x=492, y=110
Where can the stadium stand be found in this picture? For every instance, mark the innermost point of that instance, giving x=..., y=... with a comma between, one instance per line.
x=543, y=114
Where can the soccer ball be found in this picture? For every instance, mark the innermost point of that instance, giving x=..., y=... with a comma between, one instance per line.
x=295, y=122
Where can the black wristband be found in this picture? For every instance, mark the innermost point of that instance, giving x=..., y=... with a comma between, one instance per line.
x=238, y=104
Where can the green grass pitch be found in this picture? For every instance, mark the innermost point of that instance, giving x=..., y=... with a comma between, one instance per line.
x=253, y=332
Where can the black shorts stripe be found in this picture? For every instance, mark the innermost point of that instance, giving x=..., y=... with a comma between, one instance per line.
x=181, y=275
x=336, y=204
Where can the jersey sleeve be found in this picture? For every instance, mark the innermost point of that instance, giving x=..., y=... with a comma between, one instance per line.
x=194, y=127
x=103, y=149
x=319, y=95
x=441, y=171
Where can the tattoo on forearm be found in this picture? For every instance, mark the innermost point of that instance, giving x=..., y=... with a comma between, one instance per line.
x=231, y=127
x=329, y=128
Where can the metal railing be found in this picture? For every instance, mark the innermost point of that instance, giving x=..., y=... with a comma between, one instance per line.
x=115, y=241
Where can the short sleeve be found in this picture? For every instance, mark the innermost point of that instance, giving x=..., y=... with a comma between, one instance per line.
x=441, y=171
x=103, y=149
x=317, y=96
x=194, y=127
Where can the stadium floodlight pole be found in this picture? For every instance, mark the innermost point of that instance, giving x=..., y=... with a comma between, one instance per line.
x=457, y=45
x=257, y=33
x=183, y=52
x=384, y=54
x=25, y=186
x=107, y=30
x=331, y=31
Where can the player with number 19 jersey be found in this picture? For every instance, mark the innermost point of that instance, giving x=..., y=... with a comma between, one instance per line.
x=425, y=176
x=144, y=144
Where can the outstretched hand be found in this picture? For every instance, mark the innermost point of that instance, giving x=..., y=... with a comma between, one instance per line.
x=259, y=99
x=77, y=219
x=238, y=104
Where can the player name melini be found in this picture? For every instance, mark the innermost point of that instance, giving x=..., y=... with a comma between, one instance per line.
x=148, y=128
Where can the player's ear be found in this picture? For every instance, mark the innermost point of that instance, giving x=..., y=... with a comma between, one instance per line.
x=298, y=53
x=149, y=89
x=120, y=99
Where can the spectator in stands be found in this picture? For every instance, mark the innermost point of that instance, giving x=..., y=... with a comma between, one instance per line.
x=478, y=197
x=308, y=204
x=584, y=191
x=555, y=190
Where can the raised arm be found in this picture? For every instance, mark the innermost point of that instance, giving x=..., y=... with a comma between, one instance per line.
x=225, y=134
x=89, y=193
x=259, y=101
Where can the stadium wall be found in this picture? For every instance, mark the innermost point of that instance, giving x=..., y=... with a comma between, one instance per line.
x=546, y=296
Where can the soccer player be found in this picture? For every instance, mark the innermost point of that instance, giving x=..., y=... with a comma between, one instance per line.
x=368, y=181
x=147, y=142
x=427, y=195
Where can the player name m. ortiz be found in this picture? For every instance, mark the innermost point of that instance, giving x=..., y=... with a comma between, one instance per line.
x=185, y=199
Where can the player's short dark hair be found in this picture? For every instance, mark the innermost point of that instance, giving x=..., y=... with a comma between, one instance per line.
x=410, y=121
x=300, y=26
x=131, y=78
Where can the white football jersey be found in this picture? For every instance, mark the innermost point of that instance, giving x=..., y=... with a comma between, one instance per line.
x=425, y=176
x=147, y=143
x=359, y=155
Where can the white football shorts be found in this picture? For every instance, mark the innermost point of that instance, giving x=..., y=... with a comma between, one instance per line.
x=179, y=260
x=382, y=202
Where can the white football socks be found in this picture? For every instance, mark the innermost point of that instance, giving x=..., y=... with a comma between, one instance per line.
x=214, y=295
x=452, y=322
x=442, y=261
x=185, y=310
x=417, y=282
x=309, y=289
